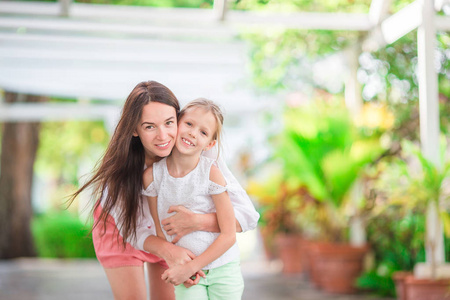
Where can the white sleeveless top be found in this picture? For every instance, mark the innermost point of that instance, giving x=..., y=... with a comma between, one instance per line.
x=192, y=191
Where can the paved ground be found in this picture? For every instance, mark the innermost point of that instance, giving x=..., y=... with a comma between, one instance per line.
x=37, y=279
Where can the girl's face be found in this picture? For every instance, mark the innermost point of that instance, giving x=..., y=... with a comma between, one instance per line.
x=157, y=129
x=196, y=130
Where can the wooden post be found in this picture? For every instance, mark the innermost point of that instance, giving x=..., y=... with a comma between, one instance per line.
x=19, y=146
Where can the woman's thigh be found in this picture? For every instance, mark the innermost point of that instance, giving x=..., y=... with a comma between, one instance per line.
x=127, y=282
x=159, y=289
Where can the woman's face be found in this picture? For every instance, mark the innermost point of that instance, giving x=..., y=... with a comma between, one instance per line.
x=157, y=129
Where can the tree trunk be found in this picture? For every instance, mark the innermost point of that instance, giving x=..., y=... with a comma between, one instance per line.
x=19, y=146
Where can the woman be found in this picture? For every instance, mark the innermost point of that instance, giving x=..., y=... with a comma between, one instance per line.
x=122, y=223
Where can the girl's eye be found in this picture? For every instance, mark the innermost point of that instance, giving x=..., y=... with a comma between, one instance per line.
x=188, y=123
x=204, y=133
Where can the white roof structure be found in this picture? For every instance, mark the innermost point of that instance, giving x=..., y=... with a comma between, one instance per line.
x=101, y=52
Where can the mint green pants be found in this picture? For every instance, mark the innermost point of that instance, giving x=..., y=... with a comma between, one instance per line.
x=222, y=283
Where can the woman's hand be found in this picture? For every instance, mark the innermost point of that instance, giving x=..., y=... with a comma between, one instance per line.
x=181, y=223
x=177, y=255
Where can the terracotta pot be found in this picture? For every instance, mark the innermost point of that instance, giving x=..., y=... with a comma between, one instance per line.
x=289, y=253
x=313, y=257
x=336, y=266
x=267, y=241
x=429, y=289
x=303, y=245
x=399, y=279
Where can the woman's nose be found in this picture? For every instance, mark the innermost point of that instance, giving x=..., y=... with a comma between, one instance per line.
x=162, y=134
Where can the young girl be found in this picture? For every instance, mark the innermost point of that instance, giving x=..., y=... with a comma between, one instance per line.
x=190, y=179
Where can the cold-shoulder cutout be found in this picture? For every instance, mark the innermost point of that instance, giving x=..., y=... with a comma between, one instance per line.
x=217, y=183
x=150, y=190
x=148, y=183
x=215, y=175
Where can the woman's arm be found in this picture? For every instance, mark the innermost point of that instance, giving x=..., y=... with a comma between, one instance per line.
x=185, y=221
x=152, y=199
x=153, y=204
x=227, y=237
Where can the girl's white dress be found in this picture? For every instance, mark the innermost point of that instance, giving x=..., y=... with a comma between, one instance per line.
x=194, y=192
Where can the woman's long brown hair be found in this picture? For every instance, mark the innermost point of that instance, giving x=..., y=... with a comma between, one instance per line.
x=118, y=175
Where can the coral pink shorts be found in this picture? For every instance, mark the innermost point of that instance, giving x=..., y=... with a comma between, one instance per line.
x=110, y=251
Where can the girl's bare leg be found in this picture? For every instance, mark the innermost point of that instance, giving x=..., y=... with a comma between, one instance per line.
x=159, y=290
x=127, y=283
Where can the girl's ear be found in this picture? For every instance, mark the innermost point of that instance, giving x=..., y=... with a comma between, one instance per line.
x=213, y=142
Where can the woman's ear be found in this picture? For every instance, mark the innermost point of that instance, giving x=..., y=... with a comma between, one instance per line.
x=213, y=142
x=135, y=134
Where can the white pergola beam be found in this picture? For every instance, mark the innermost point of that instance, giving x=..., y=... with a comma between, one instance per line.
x=149, y=20
x=301, y=20
x=402, y=22
x=36, y=112
x=378, y=10
x=114, y=29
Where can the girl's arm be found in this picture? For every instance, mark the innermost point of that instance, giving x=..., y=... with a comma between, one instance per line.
x=185, y=221
x=226, y=239
x=158, y=245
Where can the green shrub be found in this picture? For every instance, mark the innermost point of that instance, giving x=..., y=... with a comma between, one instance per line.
x=396, y=238
x=62, y=235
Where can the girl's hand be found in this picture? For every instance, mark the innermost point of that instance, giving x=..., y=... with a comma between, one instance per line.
x=188, y=283
x=181, y=223
x=178, y=274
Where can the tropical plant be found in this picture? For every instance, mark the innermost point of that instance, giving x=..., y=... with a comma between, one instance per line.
x=414, y=181
x=322, y=150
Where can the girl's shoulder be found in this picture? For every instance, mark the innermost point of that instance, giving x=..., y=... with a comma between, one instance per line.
x=147, y=177
x=216, y=176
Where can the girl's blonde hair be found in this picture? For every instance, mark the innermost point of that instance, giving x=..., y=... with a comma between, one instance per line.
x=208, y=106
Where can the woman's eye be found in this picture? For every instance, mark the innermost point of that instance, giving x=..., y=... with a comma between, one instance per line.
x=169, y=123
x=150, y=127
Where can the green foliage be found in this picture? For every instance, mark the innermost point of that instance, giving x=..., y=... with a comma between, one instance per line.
x=63, y=145
x=62, y=235
x=397, y=241
x=390, y=75
x=412, y=180
x=321, y=154
x=323, y=150
x=283, y=59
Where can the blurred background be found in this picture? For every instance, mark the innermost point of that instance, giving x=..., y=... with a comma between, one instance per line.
x=336, y=122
